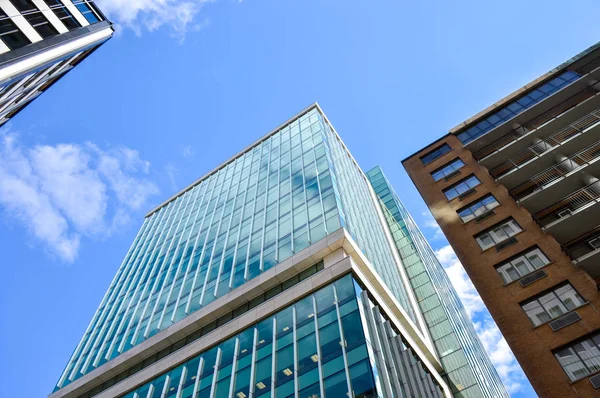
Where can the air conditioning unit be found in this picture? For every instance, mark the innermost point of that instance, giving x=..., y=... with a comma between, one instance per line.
x=564, y=213
x=594, y=243
x=485, y=215
x=595, y=380
x=564, y=321
x=534, y=276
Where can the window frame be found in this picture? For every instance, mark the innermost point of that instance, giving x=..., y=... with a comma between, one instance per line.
x=439, y=155
x=454, y=186
x=594, y=338
x=20, y=38
x=523, y=256
x=476, y=202
x=443, y=168
x=494, y=236
x=543, y=301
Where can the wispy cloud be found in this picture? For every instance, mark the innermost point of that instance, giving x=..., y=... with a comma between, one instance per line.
x=178, y=16
x=63, y=193
x=172, y=171
x=429, y=222
x=498, y=350
x=188, y=152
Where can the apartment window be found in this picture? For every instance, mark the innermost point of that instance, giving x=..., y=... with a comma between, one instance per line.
x=580, y=359
x=436, y=153
x=517, y=106
x=447, y=169
x=35, y=17
x=522, y=265
x=10, y=34
x=63, y=14
x=87, y=8
x=478, y=208
x=461, y=187
x=552, y=305
x=498, y=234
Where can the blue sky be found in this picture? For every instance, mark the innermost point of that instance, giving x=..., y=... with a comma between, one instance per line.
x=186, y=84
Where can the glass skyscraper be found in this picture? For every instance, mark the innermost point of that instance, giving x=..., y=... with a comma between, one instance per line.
x=280, y=274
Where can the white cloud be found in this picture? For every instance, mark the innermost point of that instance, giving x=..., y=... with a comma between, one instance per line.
x=64, y=192
x=498, y=350
x=188, y=152
x=177, y=15
x=429, y=222
x=172, y=171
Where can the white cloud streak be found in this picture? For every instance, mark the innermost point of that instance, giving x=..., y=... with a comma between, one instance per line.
x=429, y=222
x=63, y=193
x=498, y=350
x=178, y=16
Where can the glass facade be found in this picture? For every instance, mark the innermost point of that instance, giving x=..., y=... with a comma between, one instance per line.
x=468, y=369
x=286, y=192
x=324, y=345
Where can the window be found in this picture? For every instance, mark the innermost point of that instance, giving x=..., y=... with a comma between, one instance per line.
x=519, y=105
x=88, y=9
x=478, y=208
x=10, y=34
x=63, y=14
x=580, y=359
x=498, y=233
x=436, y=153
x=522, y=265
x=35, y=17
x=447, y=169
x=461, y=187
x=552, y=305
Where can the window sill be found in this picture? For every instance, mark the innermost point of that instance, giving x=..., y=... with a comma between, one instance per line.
x=496, y=244
x=574, y=309
x=584, y=377
x=517, y=280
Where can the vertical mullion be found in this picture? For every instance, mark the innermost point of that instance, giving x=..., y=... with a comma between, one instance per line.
x=233, y=368
x=190, y=260
x=342, y=342
x=294, y=331
x=125, y=287
x=262, y=242
x=216, y=239
x=169, y=268
x=210, y=186
x=318, y=342
x=148, y=272
x=146, y=226
x=213, y=386
x=204, y=247
x=150, y=292
x=253, y=214
x=180, y=243
x=239, y=233
x=237, y=190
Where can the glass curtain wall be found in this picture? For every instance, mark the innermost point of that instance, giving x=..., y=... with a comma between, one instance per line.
x=259, y=209
x=315, y=348
x=468, y=368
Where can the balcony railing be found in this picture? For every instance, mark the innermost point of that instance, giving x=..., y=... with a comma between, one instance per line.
x=583, y=244
x=578, y=127
x=537, y=121
x=569, y=204
x=556, y=172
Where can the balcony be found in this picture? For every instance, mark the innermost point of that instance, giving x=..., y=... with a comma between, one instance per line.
x=585, y=251
x=532, y=118
x=573, y=215
x=551, y=143
x=560, y=171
